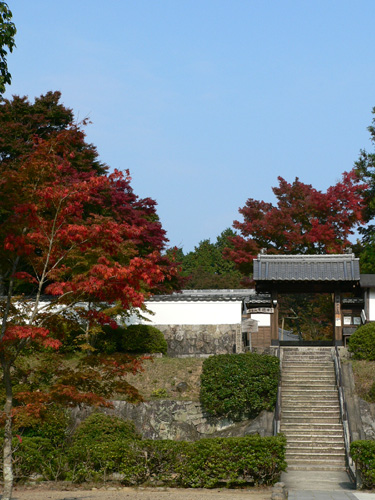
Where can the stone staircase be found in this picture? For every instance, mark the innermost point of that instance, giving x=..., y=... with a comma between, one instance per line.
x=310, y=411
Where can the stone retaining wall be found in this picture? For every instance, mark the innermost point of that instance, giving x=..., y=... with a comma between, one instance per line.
x=180, y=420
x=367, y=411
x=200, y=340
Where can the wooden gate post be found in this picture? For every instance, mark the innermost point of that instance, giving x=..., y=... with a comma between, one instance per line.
x=337, y=318
x=275, y=319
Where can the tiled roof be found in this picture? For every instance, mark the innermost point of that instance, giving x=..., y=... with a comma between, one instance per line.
x=331, y=267
x=223, y=295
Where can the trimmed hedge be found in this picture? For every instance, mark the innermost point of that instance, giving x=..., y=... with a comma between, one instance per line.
x=362, y=342
x=239, y=385
x=143, y=338
x=206, y=463
x=363, y=453
x=137, y=339
x=101, y=427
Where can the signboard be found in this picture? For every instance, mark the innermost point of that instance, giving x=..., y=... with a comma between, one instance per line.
x=363, y=316
x=262, y=310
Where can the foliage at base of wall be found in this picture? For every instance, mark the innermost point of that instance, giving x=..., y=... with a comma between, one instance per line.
x=239, y=385
x=362, y=342
x=133, y=339
x=118, y=450
x=363, y=453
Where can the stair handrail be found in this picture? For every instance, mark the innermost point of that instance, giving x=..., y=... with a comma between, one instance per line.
x=277, y=415
x=344, y=414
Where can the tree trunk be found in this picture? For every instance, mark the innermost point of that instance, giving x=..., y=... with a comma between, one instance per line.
x=7, y=451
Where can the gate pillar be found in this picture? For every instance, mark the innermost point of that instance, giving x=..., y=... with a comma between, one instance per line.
x=337, y=319
x=275, y=318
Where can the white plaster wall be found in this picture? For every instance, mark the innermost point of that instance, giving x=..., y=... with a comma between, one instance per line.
x=263, y=319
x=371, y=305
x=192, y=313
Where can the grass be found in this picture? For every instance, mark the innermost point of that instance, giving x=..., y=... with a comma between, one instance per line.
x=364, y=378
x=159, y=379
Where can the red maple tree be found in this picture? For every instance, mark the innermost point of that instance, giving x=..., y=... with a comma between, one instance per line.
x=78, y=249
x=305, y=220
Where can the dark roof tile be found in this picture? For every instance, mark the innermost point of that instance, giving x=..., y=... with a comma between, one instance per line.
x=332, y=267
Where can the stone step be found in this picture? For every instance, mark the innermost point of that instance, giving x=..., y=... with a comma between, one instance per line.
x=306, y=395
x=317, y=434
x=329, y=380
x=308, y=362
x=310, y=420
x=311, y=391
x=316, y=467
x=311, y=384
x=311, y=375
x=312, y=394
x=316, y=411
x=306, y=386
x=303, y=362
x=301, y=372
x=327, y=356
x=311, y=426
x=311, y=412
x=334, y=457
x=316, y=448
x=335, y=444
x=295, y=402
x=307, y=349
x=314, y=439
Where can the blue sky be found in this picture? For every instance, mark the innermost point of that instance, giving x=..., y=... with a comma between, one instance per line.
x=206, y=102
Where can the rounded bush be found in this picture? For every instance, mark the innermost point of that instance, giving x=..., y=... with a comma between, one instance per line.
x=362, y=342
x=143, y=339
x=101, y=427
x=239, y=385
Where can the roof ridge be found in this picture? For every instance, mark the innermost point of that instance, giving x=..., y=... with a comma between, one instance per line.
x=332, y=256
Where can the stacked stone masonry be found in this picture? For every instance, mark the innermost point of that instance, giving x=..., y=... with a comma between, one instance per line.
x=200, y=340
x=180, y=420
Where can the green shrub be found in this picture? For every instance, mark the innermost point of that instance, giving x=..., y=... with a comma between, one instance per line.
x=37, y=455
x=102, y=427
x=110, y=340
x=143, y=338
x=205, y=464
x=234, y=461
x=362, y=342
x=94, y=460
x=53, y=426
x=239, y=385
x=363, y=453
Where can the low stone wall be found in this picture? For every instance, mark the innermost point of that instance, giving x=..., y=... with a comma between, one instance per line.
x=367, y=411
x=180, y=420
x=200, y=340
x=361, y=413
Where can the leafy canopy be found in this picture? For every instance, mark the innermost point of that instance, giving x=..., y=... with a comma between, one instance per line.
x=78, y=250
x=206, y=268
x=365, y=168
x=304, y=220
x=7, y=43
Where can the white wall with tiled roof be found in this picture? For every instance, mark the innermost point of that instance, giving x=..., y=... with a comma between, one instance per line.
x=193, y=313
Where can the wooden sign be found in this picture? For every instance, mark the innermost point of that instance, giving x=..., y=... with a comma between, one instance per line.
x=263, y=310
